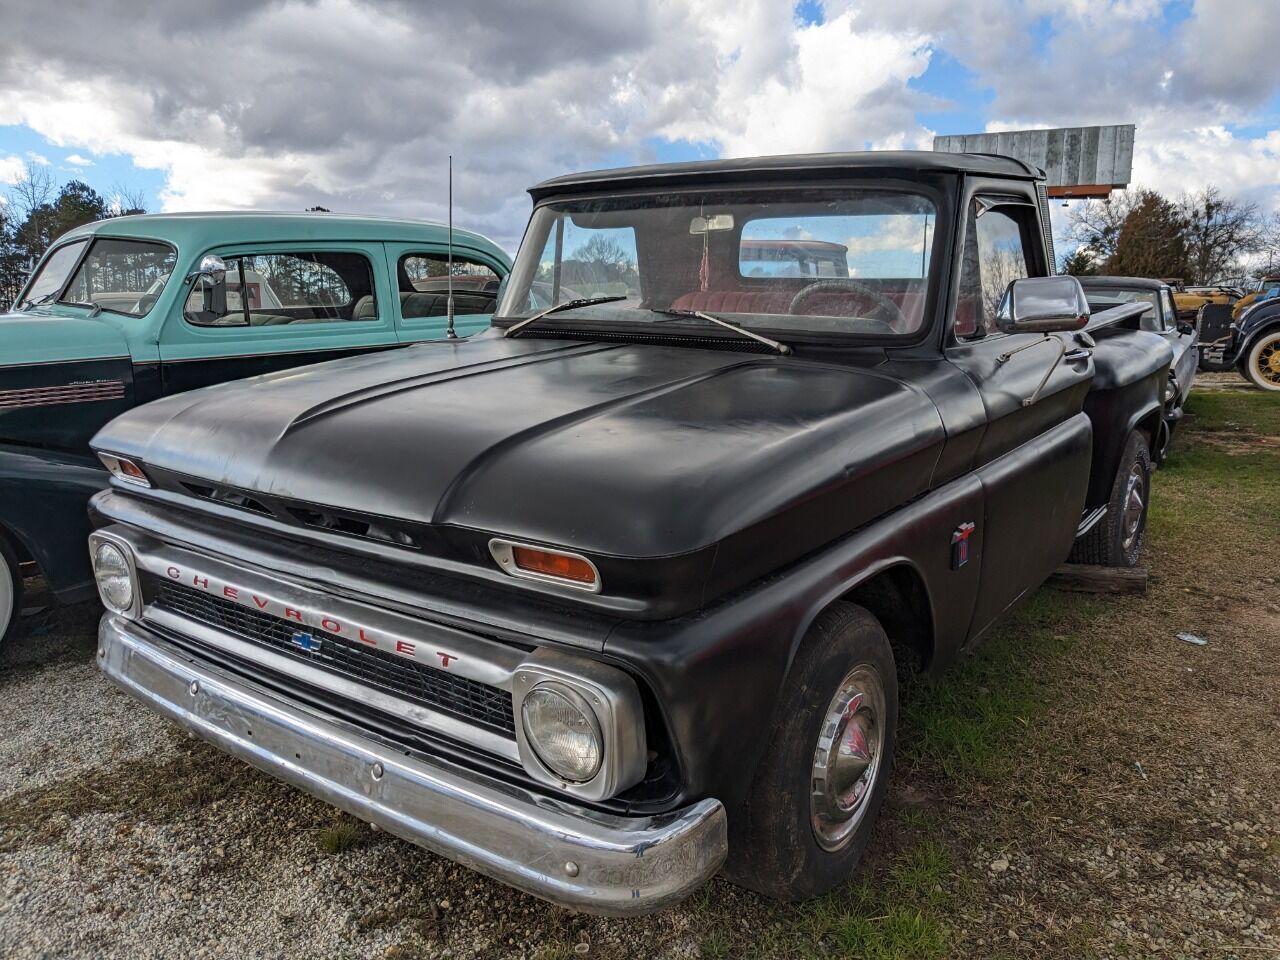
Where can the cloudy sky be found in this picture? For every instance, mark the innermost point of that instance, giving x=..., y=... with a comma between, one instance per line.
x=355, y=105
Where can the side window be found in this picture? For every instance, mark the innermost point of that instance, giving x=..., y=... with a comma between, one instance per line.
x=995, y=254
x=423, y=279
x=273, y=289
x=1170, y=313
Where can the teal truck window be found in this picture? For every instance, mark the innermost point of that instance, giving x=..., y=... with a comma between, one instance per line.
x=261, y=290
x=123, y=276
x=424, y=285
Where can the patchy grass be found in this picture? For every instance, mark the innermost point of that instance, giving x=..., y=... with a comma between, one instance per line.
x=968, y=721
x=340, y=836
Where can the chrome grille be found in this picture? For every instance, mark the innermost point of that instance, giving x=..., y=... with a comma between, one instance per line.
x=461, y=697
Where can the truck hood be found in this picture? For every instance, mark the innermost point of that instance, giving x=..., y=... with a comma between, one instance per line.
x=45, y=335
x=626, y=450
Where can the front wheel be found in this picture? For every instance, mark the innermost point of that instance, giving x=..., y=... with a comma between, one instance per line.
x=821, y=780
x=1262, y=365
x=10, y=592
x=1116, y=540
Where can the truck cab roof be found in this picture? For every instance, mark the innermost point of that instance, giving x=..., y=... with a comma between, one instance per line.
x=786, y=169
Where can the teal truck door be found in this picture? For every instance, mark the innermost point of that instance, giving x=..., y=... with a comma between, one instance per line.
x=420, y=273
x=278, y=305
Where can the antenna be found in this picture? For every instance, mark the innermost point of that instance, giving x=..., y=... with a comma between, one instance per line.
x=449, y=331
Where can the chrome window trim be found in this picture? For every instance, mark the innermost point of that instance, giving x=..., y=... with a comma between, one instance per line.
x=501, y=550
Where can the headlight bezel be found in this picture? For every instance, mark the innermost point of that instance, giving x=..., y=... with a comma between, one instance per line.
x=100, y=541
x=613, y=701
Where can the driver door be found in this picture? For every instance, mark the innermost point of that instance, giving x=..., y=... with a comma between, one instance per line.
x=1034, y=454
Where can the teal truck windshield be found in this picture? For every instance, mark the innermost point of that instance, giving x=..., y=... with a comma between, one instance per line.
x=123, y=276
x=852, y=261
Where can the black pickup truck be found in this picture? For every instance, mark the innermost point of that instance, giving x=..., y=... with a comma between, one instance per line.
x=612, y=597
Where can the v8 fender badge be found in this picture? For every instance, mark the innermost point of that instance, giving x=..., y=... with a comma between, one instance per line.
x=960, y=544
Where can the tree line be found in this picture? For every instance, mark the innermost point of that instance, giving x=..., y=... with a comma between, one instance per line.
x=37, y=211
x=1200, y=237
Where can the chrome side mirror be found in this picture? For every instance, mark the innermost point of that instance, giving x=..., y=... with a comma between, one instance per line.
x=1043, y=305
x=212, y=267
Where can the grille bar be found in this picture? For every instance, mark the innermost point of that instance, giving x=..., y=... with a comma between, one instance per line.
x=461, y=697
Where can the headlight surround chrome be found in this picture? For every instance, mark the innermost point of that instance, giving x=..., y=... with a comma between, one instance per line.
x=562, y=731
x=608, y=701
x=114, y=577
x=114, y=573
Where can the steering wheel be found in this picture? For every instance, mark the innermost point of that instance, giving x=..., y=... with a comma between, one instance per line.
x=882, y=302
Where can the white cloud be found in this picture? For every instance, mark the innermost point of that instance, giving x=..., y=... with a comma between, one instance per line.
x=75, y=160
x=39, y=158
x=351, y=106
x=12, y=169
x=354, y=104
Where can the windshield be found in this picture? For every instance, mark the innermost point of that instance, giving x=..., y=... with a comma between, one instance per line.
x=52, y=275
x=123, y=276
x=852, y=261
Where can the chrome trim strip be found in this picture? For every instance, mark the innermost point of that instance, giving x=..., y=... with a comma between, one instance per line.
x=574, y=857
x=88, y=392
x=501, y=550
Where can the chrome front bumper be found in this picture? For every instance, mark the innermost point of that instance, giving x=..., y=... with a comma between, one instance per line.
x=571, y=856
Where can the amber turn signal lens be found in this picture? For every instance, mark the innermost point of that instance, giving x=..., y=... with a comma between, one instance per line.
x=124, y=469
x=549, y=564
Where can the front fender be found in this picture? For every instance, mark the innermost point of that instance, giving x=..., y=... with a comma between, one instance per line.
x=44, y=499
x=1250, y=333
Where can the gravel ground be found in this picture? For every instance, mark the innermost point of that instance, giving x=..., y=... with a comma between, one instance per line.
x=1137, y=813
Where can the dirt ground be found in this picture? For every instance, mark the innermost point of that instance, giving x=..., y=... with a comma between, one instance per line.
x=1087, y=784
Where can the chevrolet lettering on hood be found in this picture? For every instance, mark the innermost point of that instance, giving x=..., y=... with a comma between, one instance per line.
x=299, y=613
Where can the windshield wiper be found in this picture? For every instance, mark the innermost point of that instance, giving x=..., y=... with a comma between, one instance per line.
x=515, y=328
x=782, y=348
x=28, y=304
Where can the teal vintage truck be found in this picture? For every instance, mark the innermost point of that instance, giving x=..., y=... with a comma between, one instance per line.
x=127, y=310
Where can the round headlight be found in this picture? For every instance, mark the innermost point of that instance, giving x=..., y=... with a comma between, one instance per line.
x=115, y=583
x=562, y=731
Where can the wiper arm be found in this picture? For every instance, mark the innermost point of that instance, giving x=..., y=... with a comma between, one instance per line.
x=27, y=304
x=782, y=348
x=515, y=328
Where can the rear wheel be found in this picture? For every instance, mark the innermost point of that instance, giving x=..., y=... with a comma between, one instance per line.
x=1262, y=365
x=821, y=780
x=1116, y=540
x=10, y=592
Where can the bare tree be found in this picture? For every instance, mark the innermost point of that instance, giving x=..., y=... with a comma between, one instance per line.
x=1219, y=233
x=1094, y=225
x=32, y=191
x=126, y=201
x=1266, y=260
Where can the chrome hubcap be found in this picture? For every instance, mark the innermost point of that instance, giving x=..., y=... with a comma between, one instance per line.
x=1134, y=503
x=846, y=761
